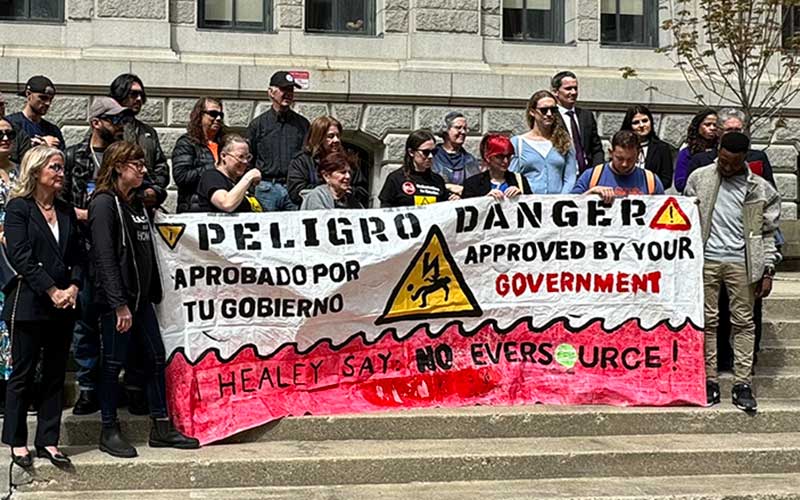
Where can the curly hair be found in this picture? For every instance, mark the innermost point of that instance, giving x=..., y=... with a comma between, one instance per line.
x=195, y=126
x=639, y=109
x=696, y=142
x=560, y=136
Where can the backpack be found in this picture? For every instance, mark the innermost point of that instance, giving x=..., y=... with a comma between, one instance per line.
x=598, y=171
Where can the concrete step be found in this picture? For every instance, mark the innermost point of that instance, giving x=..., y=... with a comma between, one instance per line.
x=783, y=356
x=781, y=332
x=740, y=487
x=782, y=307
x=481, y=422
x=768, y=383
x=319, y=463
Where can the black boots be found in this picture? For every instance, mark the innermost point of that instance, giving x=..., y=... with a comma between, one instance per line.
x=114, y=443
x=164, y=435
x=87, y=403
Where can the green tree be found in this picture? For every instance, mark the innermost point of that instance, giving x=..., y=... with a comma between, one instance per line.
x=734, y=53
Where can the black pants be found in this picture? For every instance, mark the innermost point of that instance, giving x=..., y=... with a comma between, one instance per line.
x=144, y=338
x=29, y=341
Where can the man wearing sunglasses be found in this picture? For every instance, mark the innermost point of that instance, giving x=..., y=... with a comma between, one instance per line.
x=82, y=164
x=39, y=93
x=580, y=122
x=276, y=136
x=128, y=90
x=22, y=143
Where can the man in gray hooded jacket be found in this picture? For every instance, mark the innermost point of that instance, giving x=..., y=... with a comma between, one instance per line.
x=739, y=214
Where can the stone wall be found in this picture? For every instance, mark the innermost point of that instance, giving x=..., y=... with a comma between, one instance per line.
x=381, y=128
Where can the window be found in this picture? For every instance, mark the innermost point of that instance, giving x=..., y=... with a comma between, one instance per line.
x=791, y=26
x=629, y=22
x=234, y=14
x=533, y=20
x=341, y=16
x=32, y=10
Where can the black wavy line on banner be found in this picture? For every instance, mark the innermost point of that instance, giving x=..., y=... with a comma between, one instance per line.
x=432, y=335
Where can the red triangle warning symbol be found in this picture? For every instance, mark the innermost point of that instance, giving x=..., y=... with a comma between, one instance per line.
x=671, y=217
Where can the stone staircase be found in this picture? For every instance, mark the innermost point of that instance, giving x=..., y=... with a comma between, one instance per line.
x=524, y=452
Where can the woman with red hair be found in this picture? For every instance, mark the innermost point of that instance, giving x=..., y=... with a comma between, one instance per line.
x=496, y=181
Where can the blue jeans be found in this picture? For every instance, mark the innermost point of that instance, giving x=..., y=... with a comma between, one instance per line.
x=145, y=337
x=274, y=197
x=86, y=338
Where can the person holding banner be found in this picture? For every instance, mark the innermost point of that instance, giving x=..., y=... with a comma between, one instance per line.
x=44, y=248
x=337, y=192
x=127, y=284
x=739, y=214
x=225, y=188
x=198, y=149
x=496, y=181
x=620, y=176
x=415, y=184
x=545, y=155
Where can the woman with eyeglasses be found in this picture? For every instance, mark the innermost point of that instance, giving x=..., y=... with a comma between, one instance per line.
x=9, y=171
x=225, y=189
x=198, y=149
x=655, y=155
x=496, y=181
x=414, y=183
x=451, y=160
x=127, y=284
x=701, y=136
x=544, y=154
x=43, y=246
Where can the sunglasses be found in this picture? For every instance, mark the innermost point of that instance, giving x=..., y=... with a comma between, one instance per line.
x=427, y=153
x=641, y=122
x=115, y=119
x=56, y=167
x=214, y=114
x=552, y=110
x=133, y=94
x=8, y=134
x=508, y=157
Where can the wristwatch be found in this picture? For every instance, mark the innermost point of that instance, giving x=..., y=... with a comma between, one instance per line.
x=769, y=271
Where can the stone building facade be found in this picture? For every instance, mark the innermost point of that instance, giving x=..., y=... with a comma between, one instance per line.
x=421, y=59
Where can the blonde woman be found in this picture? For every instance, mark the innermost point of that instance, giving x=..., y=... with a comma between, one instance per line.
x=43, y=247
x=544, y=154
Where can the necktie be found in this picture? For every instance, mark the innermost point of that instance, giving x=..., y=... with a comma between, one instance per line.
x=576, y=141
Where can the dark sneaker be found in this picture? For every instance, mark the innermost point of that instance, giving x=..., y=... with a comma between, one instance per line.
x=712, y=393
x=114, y=443
x=87, y=403
x=164, y=435
x=743, y=398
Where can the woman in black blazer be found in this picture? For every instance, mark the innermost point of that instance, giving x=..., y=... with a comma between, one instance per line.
x=496, y=181
x=656, y=155
x=42, y=241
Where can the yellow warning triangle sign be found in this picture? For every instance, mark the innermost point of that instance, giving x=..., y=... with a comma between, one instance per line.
x=171, y=233
x=432, y=286
x=670, y=216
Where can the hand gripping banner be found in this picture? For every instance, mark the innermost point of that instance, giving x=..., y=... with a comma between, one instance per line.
x=542, y=299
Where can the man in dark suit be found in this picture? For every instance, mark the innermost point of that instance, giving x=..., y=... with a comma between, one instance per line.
x=580, y=122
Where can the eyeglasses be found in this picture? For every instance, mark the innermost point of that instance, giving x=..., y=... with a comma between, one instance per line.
x=8, y=134
x=508, y=157
x=427, y=153
x=241, y=159
x=547, y=111
x=214, y=114
x=139, y=165
x=115, y=119
x=133, y=94
x=56, y=167
x=462, y=128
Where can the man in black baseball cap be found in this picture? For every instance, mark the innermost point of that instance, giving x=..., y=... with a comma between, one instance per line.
x=38, y=93
x=276, y=136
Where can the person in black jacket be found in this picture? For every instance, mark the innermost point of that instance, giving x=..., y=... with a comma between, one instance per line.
x=580, y=122
x=496, y=181
x=198, y=149
x=127, y=284
x=655, y=154
x=128, y=90
x=43, y=246
x=415, y=184
x=324, y=137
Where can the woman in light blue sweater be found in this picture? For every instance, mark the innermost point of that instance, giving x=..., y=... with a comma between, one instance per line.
x=544, y=155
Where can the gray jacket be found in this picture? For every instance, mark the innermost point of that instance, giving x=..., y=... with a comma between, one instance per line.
x=762, y=210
